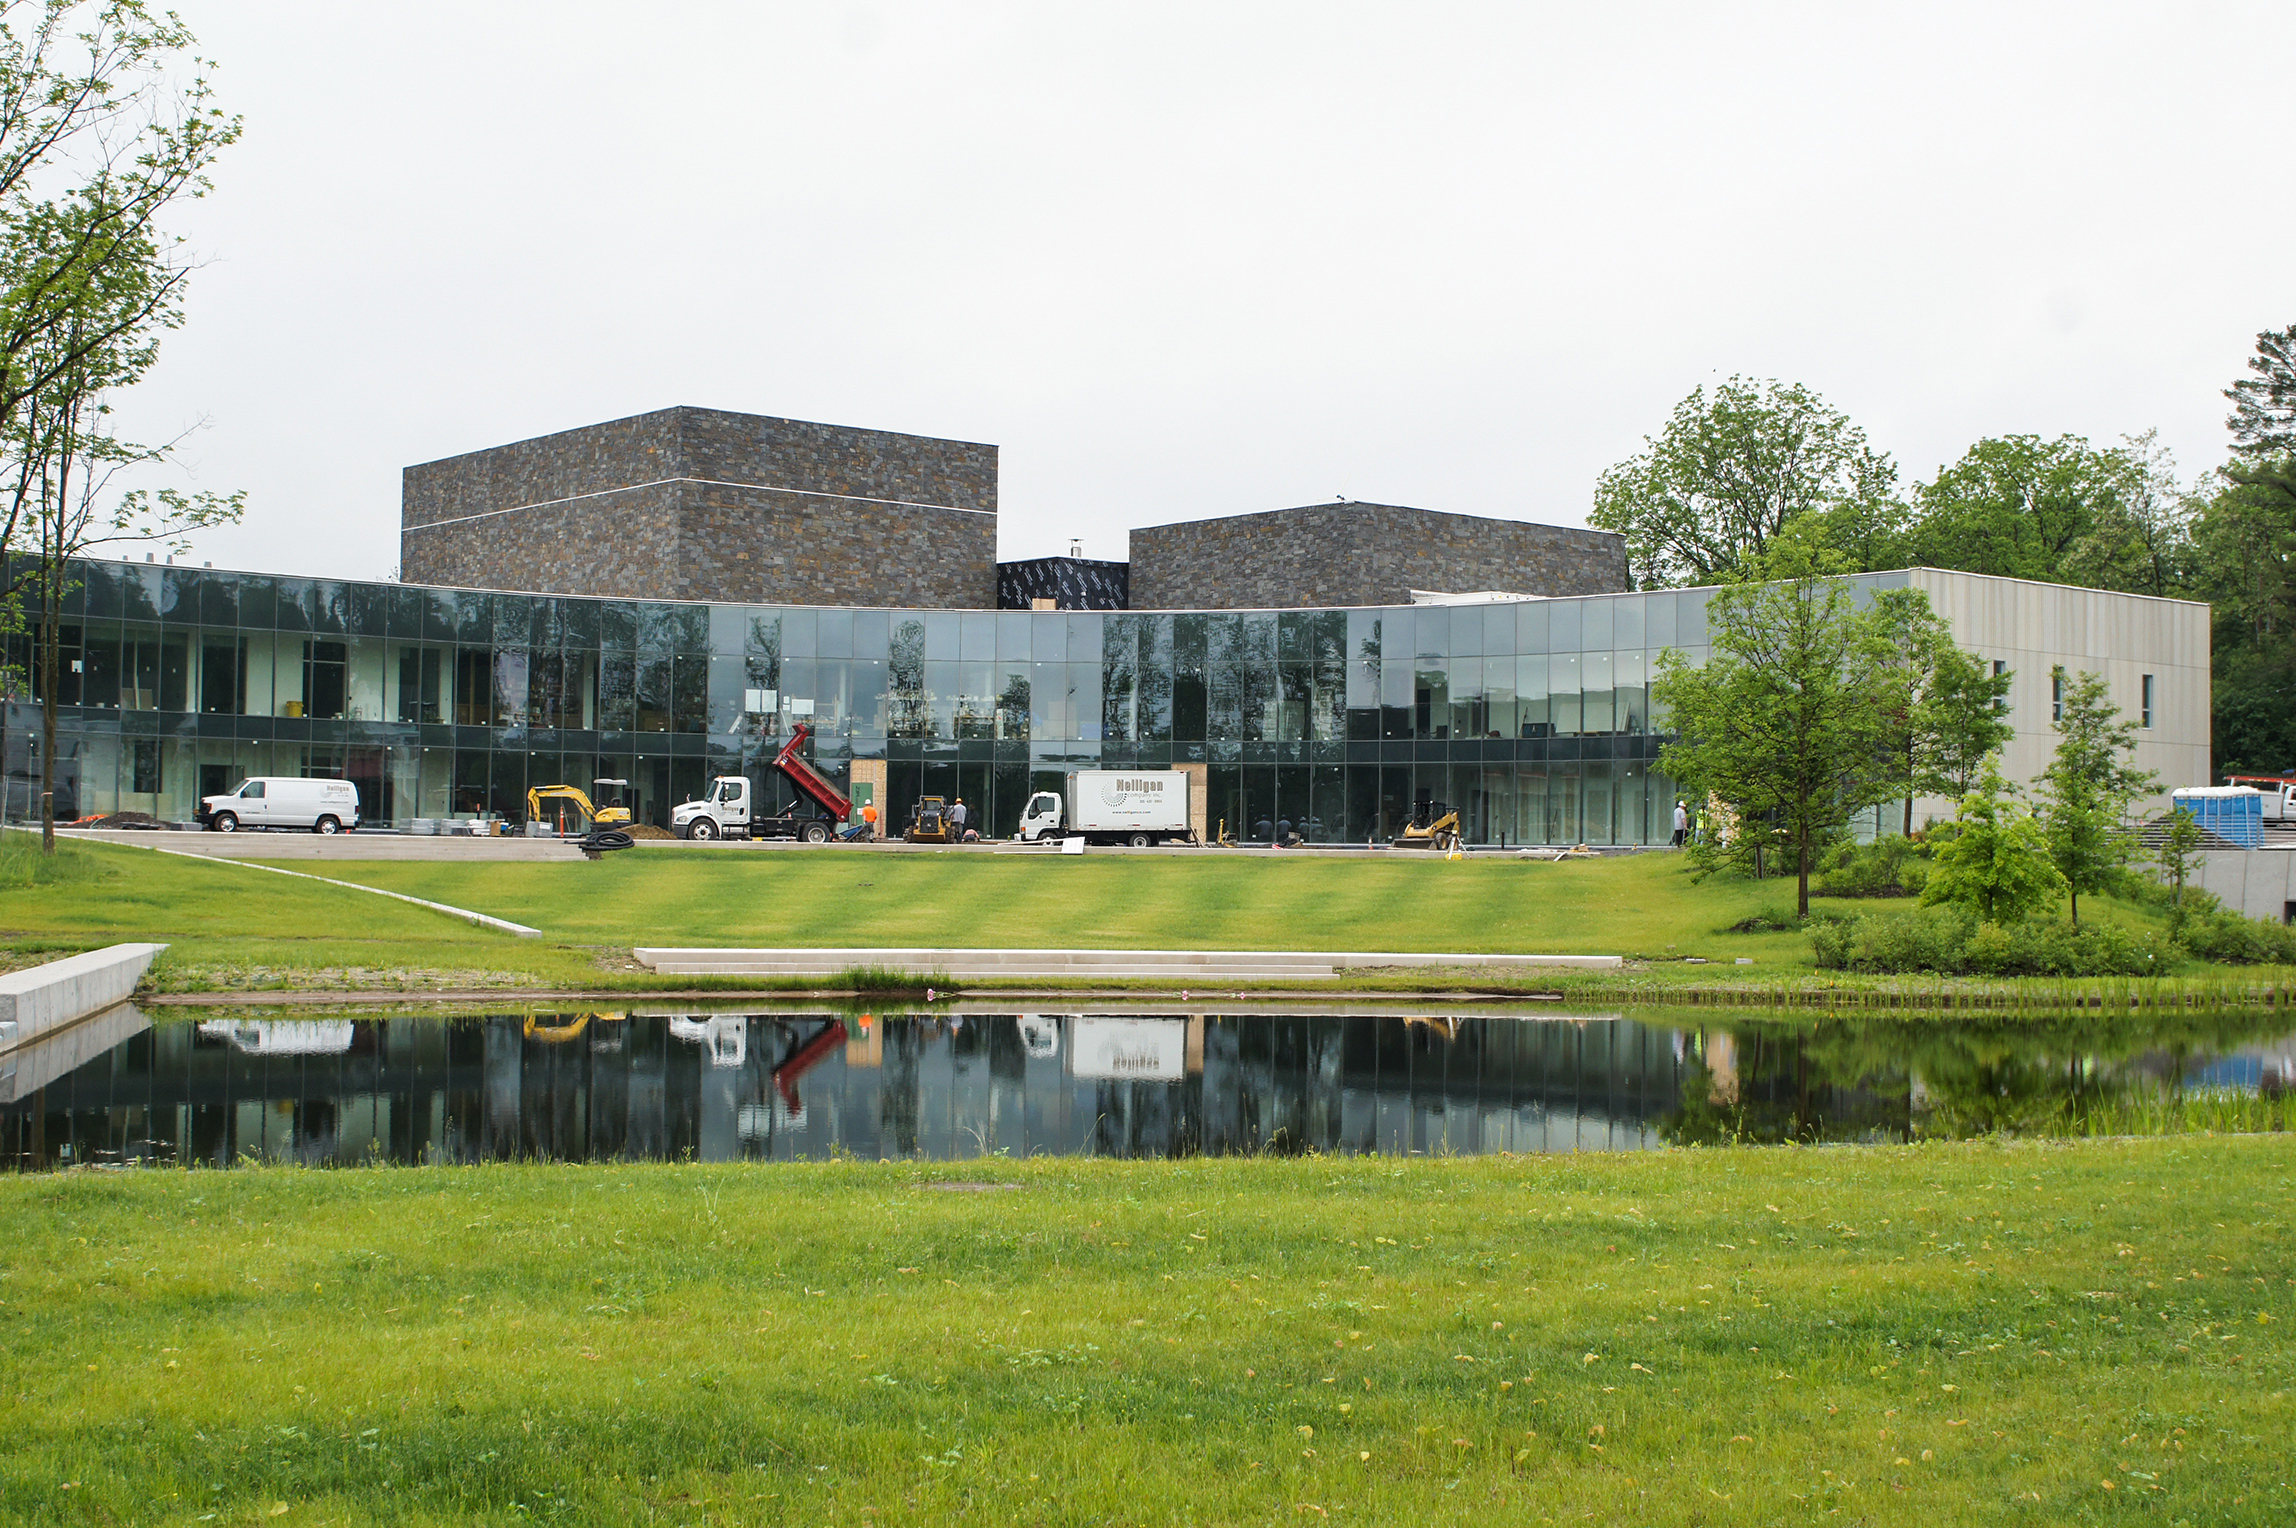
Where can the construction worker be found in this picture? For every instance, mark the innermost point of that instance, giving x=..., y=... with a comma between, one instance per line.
x=957, y=820
x=869, y=820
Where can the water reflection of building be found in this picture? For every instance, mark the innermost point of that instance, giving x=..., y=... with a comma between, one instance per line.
x=719, y=1087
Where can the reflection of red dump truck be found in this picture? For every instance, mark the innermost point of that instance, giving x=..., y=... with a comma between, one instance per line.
x=725, y=811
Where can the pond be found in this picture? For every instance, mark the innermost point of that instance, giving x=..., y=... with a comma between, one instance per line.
x=695, y=1084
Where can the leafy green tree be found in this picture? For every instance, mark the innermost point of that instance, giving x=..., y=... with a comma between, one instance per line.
x=1944, y=715
x=1996, y=863
x=2089, y=786
x=2263, y=421
x=2179, y=851
x=105, y=124
x=1732, y=470
x=1786, y=725
x=1960, y=720
x=2018, y=506
x=2244, y=553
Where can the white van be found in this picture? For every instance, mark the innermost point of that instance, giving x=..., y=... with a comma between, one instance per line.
x=281, y=801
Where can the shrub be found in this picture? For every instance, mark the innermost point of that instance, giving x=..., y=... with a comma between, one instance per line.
x=1943, y=941
x=1887, y=867
x=2215, y=932
x=1765, y=923
x=1886, y=943
x=2054, y=947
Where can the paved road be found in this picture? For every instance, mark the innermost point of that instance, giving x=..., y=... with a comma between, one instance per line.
x=407, y=846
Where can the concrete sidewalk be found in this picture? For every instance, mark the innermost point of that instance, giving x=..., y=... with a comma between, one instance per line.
x=1094, y=965
x=337, y=846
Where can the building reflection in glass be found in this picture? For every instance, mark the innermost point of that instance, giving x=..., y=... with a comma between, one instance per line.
x=723, y=1087
x=670, y=1086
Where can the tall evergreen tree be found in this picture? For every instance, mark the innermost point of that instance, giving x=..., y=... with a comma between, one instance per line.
x=2263, y=421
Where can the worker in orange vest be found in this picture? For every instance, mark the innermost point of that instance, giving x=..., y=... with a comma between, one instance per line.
x=869, y=816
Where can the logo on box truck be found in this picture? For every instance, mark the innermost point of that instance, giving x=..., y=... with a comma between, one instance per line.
x=1117, y=788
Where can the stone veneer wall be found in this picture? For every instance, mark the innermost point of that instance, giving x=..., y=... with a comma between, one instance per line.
x=700, y=504
x=1362, y=554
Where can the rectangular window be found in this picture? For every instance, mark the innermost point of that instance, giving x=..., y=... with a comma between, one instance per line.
x=144, y=761
x=2000, y=702
x=2057, y=696
x=2145, y=711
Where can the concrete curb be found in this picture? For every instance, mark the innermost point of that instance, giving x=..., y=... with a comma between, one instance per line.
x=340, y=846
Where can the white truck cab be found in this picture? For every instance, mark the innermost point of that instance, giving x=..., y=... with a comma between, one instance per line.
x=1040, y=818
x=1139, y=807
x=727, y=812
x=724, y=810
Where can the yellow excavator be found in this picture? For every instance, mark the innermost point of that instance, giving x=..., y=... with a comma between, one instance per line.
x=1433, y=825
x=612, y=815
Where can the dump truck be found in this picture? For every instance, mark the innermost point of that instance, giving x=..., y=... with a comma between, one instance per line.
x=1138, y=807
x=728, y=811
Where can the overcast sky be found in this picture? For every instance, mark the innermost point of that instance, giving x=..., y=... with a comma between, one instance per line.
x=1190, y=260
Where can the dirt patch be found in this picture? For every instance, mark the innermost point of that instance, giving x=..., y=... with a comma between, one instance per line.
x=647, y=830
x=183, y=979
x=972, y=1188
x=123, y=820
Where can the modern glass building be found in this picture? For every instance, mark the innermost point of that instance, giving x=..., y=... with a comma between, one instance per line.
x=1531, y=716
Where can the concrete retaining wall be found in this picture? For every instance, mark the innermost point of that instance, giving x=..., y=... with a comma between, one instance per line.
x=48, y=997
x=2258, y=882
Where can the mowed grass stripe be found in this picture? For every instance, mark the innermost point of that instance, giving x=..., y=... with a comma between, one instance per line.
x=1937, y=1335
x=1637, y=905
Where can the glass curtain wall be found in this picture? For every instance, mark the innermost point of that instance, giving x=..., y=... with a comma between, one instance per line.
x=1532, y=718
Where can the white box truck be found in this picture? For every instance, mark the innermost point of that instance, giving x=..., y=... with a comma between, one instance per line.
x=1139, y=807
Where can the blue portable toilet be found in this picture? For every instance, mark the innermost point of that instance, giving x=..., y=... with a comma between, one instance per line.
x=2233, y=813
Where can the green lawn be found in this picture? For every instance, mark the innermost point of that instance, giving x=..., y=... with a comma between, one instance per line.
x=235, y=926
x=1934, y=1335
x=231, y=925
x=1637, y=905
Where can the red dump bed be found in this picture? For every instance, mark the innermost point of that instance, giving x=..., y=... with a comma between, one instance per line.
x=808, y=779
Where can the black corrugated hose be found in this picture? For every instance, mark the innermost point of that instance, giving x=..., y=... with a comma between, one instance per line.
x=601, y=839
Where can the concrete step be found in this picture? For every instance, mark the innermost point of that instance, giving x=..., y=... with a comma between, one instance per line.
x=1174, y=963
x=1206, y=974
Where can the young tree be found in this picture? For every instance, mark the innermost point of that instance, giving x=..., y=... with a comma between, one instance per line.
x=64, y=463
x=1944, y=715
x=2089, y=786
x=1997, y=864
x=100, y=133
x=1786, y=724
x=1730, y=472
x=2179, y=852
x=1960, y=721
x=2263, y=421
